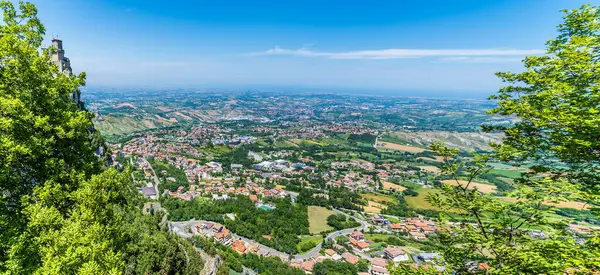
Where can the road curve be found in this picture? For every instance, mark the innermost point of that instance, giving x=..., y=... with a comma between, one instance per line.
x=333, y=235
x=178, y=228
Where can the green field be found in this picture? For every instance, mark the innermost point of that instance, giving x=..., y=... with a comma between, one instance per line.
x=121, y=125
x=317, y=219
x=284, y=144
x=420, y=202
x=308, y=242
x=379, y=198
x=378, y=236
x=509, y=173
x=215, y=149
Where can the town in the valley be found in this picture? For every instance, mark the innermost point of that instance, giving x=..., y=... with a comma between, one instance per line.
x=304, y=179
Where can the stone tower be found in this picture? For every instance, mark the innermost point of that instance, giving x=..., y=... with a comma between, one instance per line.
x=64, y=66
x=63, y=63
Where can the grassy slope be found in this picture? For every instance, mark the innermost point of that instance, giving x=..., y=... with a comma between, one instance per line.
x=306, y=239
x=317, y=219
x=419, y=201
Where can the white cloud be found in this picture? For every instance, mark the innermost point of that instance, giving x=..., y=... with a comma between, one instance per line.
x=481, y=59
x=463, y=55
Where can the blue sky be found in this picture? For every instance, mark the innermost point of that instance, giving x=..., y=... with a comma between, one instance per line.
x=446, y=47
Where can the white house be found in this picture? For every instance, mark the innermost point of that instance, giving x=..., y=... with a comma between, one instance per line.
x=395, y=254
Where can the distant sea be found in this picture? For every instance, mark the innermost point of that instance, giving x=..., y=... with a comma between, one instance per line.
x=450, y=94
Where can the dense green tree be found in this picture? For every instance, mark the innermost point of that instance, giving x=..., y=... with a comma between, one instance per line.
x=61, y=212
x=340, y=221
x=329, y=267
x=45, y=141
x=363, y=265
x=555, y=101
x=250, y=221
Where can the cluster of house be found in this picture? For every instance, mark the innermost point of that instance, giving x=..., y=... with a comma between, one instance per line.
x=277, y=165
x=390, y=254
x=351, y=180
x=356, y=239
x=360, y=244
x=222, y=190
x=387, y=170
x=348, y=128
x=281, y=166
x=355, y=179
x=151, y=146
x=298, y=133
x=233, y=140
x=213, y=230
x=170, y=153
x=312, y=130
x=224, y=236
x=360, y=164
x=417, y=228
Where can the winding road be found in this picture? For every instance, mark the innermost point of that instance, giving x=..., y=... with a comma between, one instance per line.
x=156, y=181
x=179, y=229
x=333, y=235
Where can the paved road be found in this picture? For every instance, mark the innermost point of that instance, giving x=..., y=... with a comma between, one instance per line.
x=211, y=264
x=156, y=181
x=179, y=229
x=378, y=228
x=272, y=251
x=333, y=235
x=248, y=271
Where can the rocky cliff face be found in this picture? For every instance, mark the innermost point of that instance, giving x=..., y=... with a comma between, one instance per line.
x=64, y=66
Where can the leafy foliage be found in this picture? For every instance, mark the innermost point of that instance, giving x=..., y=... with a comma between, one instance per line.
x=171, y=172
x=263, y=265
x=340, y=221
x=336, y=197
x=250, y=221
x=555, y=100
x=399, y=209
x=329, y=267
x=60, y=211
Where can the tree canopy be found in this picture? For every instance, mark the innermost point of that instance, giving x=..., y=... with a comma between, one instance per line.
x=554, y=103
x=555, y=100
x=61, y=210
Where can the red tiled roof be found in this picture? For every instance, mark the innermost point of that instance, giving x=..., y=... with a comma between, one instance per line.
x=352, y=259
x=361, y=244
x=224, y=233
x=308, y=265
x=394, y=251
x=396, y=226
x=357, y=234
x=380, y=269
x=238, y=246
x=381, y=262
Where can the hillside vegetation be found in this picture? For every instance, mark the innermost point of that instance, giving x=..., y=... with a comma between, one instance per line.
x=61, y=210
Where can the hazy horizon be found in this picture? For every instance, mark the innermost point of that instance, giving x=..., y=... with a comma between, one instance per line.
x=306, y=90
